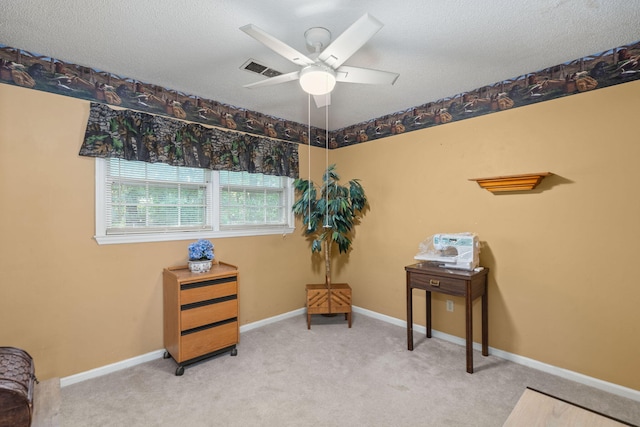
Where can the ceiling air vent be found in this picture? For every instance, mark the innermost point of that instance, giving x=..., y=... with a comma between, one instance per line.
x=254, y=67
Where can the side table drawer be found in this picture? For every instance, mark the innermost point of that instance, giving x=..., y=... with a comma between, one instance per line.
x=205, y=341
x=443, y=285
x=210, y=289
x=211, y=313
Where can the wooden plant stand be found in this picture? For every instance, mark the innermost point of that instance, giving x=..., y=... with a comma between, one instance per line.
x=321, y=300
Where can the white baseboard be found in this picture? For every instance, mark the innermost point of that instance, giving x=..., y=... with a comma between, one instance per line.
x=103, y=370
x=616, y=389
x=265, y=322
x=612, y=388
x=158, y=354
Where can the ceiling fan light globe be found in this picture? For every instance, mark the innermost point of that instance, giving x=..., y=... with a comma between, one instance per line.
x=317, y=80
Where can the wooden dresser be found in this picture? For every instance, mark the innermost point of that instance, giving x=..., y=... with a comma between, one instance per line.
x=200, y=313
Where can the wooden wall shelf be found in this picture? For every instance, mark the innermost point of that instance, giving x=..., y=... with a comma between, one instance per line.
x=522, y=182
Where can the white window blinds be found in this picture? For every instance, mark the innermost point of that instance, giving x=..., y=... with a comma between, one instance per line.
x=253, y=200
x=151, y=202
x=154, y=197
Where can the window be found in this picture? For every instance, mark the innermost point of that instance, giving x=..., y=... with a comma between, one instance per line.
x=250, y=200
x=142, y=202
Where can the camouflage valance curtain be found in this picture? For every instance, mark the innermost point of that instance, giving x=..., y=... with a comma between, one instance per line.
x=133, y=135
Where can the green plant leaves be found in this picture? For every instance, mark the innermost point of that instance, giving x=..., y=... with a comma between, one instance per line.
x=332, y=213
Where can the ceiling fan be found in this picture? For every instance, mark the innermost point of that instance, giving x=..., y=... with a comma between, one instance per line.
x=324, y=67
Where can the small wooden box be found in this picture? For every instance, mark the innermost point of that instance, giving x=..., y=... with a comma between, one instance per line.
x=17, y=375
x=321, y=300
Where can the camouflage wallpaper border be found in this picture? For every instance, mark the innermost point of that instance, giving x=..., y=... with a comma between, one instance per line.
x=612, y=67
x=134, y=135
x=34, y=71
x=608, y=68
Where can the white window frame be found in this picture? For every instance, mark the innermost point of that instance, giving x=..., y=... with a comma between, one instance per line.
x=103, y=238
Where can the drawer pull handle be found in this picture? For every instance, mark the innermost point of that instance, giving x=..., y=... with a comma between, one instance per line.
x=433, y=282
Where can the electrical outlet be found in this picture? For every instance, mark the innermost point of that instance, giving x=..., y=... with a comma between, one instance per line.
x=449, y=305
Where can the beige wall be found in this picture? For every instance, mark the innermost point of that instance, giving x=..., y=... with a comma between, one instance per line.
x=562, y=288
x=563, y=285
x=75, y=305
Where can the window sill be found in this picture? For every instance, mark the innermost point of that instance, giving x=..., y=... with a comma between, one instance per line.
x=166, y=237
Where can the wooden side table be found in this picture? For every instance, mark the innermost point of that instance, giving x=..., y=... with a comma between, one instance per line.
x=468, y=284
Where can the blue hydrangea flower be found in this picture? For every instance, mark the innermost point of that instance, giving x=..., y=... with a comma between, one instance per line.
x=200, y=250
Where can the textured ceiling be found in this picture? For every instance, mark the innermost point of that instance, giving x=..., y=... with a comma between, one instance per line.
x=440, y=48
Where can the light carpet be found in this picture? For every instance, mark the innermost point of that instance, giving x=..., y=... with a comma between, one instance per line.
x=286, y=375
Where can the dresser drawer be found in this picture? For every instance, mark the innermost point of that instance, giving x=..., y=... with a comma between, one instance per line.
x=205, y=341
x=207, y=290
x=210, y=313
x=438, y=284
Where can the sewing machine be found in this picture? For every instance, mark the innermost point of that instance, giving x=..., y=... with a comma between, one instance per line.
x=453, y=250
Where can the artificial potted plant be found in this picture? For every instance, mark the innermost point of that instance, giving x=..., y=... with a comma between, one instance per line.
x=329, y=216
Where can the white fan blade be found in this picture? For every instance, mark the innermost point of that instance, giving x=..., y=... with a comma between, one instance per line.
x=277, y=46
x=282, y=78
x=348, y=74
x=322, y=100
x=352, y=39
